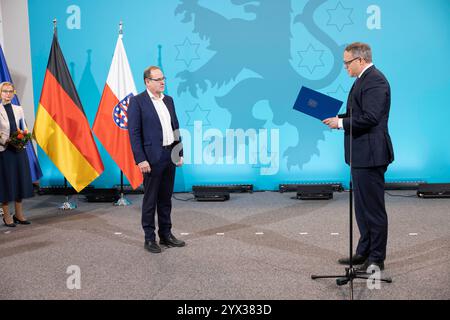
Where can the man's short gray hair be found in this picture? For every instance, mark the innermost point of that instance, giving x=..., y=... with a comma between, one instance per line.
x=148, y=72
x=359, y=49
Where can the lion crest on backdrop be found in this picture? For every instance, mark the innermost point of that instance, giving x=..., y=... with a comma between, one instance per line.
x=237, y=45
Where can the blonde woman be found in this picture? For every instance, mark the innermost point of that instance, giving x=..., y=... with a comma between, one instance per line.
x=15, y=177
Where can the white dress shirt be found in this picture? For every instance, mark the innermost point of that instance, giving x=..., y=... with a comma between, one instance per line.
x=164, y=118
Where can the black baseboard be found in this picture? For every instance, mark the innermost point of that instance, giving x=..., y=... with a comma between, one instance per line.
x=402, y=185
x=61, y=190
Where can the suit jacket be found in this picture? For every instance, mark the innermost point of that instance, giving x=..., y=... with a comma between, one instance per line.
x=368, y=106
x=4, y=123
x=144, y=127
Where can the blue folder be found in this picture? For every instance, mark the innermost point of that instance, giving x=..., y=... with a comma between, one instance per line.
x=316, y=104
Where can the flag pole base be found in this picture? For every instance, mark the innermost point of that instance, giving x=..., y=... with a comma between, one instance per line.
x=67, y=205
x=123, y=202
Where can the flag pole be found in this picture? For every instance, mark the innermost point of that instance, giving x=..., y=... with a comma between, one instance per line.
x=122, y=201
x=66, y=205
x=54, y=27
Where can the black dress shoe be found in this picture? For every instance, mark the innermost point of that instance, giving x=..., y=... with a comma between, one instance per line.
x=357, y=259
x=171, y=241
x=370, y=267
x=16, y=220
x=152, y=246
x=12, y=225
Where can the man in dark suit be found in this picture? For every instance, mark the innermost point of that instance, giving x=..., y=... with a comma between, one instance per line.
x=153, y=127
x=368, y=151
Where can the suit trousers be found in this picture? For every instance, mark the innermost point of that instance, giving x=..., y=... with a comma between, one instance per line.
x=158, y=190
x=370, y=212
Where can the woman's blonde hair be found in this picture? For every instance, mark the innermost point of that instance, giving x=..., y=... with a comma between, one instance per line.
x=7, y=83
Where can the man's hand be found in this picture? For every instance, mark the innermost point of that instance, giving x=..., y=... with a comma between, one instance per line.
x=332, y=123
x=180, y=162
x=144, y=166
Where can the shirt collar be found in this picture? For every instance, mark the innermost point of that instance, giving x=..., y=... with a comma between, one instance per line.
x=153, y=97
x=367, y=67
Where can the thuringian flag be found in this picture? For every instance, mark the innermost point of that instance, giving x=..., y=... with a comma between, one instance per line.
x=61, y=128
x=111, y=122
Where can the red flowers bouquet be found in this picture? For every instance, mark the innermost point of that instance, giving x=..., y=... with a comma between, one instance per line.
x=19, y=139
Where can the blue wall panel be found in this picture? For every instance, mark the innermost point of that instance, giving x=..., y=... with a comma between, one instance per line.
x=236, y=66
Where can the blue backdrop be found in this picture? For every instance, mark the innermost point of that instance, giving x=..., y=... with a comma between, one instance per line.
x=234, y=68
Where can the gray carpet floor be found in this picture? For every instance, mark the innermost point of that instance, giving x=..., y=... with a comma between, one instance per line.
x=262, y=246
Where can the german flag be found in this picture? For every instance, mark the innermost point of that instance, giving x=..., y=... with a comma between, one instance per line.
x=61, y=128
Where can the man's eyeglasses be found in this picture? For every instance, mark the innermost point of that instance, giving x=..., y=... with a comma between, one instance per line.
x=9, y=91
x=347, y=63
x=157, y=79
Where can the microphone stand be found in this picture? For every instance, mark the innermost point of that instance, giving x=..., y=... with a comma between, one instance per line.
x=351, y=273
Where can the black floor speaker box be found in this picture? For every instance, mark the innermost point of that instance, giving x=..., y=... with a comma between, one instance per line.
x=433, y=190
x=206, y=193
x=212, y=196
x=102, y=195
x=315, y=192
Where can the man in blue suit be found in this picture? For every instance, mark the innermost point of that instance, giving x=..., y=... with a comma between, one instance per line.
x=368, y=151
x=153, y=127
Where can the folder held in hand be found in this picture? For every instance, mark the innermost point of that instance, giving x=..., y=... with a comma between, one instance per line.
x=316, y=104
